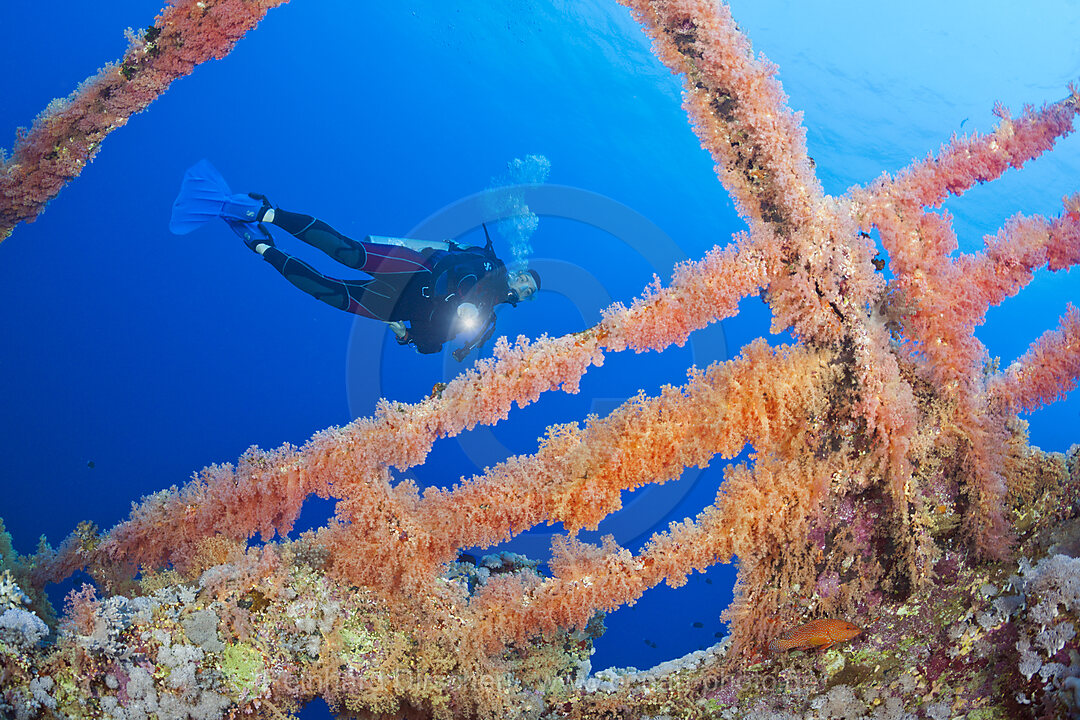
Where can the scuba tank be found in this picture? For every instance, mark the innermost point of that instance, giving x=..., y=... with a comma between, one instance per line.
x=411, y=243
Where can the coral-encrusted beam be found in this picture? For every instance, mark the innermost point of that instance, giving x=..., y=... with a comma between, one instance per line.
x=350, y=461
x=1048, y=371
x=66, y=135
x=738, y=109
x=965, y=161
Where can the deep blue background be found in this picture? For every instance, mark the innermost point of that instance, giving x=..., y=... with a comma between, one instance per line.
x=150, y=355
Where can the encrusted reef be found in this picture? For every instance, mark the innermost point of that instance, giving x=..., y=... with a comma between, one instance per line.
x=260, y=630
x=982, y=641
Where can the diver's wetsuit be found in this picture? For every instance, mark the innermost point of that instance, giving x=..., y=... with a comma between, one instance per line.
x=424, y=288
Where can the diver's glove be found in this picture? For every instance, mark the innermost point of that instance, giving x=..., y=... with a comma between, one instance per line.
x=467, y=316
x=489, y=329
x=401, y=333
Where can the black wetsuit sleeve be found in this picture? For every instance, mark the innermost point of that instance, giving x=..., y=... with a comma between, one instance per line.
x=430, y=332
x=426, y=337
x=426, y=346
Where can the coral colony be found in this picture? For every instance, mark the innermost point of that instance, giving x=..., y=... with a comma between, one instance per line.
x=891, y=508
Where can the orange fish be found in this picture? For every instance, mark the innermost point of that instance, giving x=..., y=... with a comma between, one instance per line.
x=817, y=633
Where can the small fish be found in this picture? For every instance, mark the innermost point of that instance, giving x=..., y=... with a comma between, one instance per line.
x=817, y=633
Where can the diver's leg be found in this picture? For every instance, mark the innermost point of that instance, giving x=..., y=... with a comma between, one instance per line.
x=384, y=260
x=331, y=291
x=372, y=298
x=318, y=234
x=365, y=256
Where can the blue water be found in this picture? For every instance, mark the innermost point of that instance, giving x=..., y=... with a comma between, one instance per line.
x=132, y=358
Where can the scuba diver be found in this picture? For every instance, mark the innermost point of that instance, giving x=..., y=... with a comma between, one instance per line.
x=439, y=288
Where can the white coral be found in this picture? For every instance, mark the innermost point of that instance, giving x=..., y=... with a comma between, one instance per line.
x=21, y=628
x=1054, y=638
x=11, y=595
x=1056, y=582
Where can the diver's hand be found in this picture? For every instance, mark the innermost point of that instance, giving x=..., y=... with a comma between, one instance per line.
x=467, y=315
x=400, y=331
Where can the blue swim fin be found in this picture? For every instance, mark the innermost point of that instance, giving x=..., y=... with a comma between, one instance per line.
x=205, y=196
